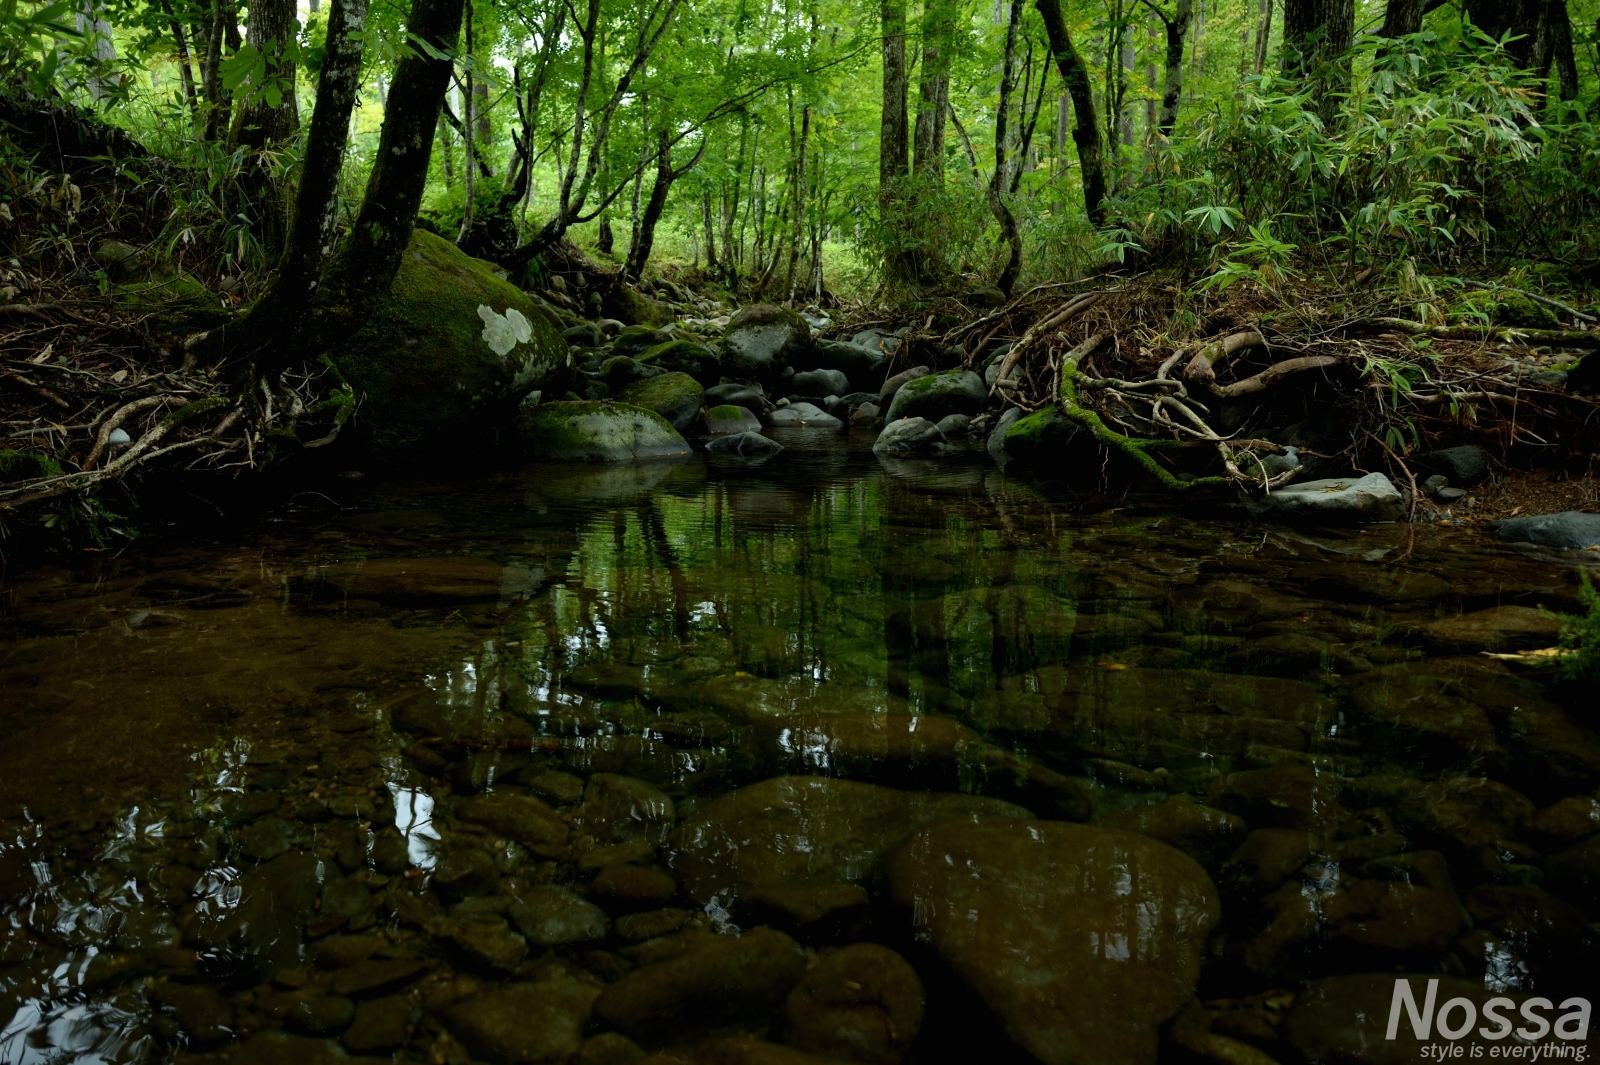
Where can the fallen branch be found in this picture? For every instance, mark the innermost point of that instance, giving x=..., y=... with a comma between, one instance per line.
x=1572, y=338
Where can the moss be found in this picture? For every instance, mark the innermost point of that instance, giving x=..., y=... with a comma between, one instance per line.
x=626, y=305
x=677, y=397
x=26, y=465
x=687, y=356
x=638, y=339
x=726, y=411
x=598, y=431
x=181, y=304
x=423, y=371
x=1505, y=309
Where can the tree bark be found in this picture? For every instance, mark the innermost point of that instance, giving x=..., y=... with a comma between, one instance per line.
x=1086, y=137
x=1529, y=21
x=656, y=206
x=184, y=70
x=316, y=202
x=1316, y=36
x=1561, y=52
x=218, y=101
x=368, y=259
x=1005, y=156
x=259, y=124
x=1401, y=18
x=1172, y=92
x=933, y=103
x=1263, y=35
x=469, y=133
x=892, y=146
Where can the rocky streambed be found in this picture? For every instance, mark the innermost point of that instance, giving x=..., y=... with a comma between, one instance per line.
x=832, y=760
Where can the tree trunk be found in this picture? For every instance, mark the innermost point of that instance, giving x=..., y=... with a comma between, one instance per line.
x=1561, y=51
x=1087, y=134
x=259, y=124
x=316, y=202
x=892, y=145
x=218, y=100
x=639, y=254
x=185, y=72
x=370, y=256
x=1401, y=18
x=933, y=103
x=1317, y=34
x=1005, y=156
x=1529, y=21
x=468, y=133
x=1172, y=92
x=1263, y=35
x=801, y=197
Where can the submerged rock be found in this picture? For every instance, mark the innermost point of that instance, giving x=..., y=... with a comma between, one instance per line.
x=1501, y=628
x=746, y=444
x=762, y=339
x=860, y=1003
x=1083, y=940
x=524, y=1022
x=550, y=916
x=522, y=818
x=1334, y=501
x=1200, y=831
x=677, y=397
x=425, y=372
x=792, y=842
x=938, y=395
x=1345, y=1019
x=856, y=361
x=1569, y=528
x=584, y=431
x=717, y=981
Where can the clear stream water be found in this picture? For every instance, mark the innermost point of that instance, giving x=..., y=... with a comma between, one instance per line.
x=356, y=780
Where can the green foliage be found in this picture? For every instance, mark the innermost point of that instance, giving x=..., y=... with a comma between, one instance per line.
x=1580, y=634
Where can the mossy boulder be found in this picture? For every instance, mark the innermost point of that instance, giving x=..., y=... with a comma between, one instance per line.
x=761, y=340
x=638, y=339
x=1504, y=308
x=687, y=356
x=589, y=431
x=677, y=397
x=424, y=365
x=1043, y=436
x=626, y=305
x=939, y=395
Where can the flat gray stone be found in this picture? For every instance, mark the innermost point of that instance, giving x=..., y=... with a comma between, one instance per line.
x=1334, y=501
x=908, y=435
x=1569, y=528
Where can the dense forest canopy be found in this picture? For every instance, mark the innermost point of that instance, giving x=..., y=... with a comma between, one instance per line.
x=800, y=148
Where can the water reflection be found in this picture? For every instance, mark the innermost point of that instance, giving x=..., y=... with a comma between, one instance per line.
x=1095, y=776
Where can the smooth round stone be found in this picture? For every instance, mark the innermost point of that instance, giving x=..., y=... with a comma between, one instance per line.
x=862, y=1002
x=551, y=916
x=524, y=1022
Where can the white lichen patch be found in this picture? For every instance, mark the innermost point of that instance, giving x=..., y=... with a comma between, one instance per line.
x=502, y=332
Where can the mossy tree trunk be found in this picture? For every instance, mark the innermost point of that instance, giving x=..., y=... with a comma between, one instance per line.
x=1086, y=135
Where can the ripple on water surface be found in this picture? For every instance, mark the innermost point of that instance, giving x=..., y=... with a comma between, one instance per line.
x=879, y=761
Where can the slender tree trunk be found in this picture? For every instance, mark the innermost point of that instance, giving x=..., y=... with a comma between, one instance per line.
x=1087, y=134
x=892, y=135
x=1263, y=35
x=1566, y=61
x=259, y=124
x=933, y=87
x=710, y=228
x=468, y=133
x=369, y=257
x=1172, y=93
x=1005, y=156
x=1401, y=18
x=217, y=98
x=656, y=206
x=316, y=202
x=185, y=72
x=802, y=193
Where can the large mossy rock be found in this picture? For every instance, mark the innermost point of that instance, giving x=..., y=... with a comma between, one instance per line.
x=421, y=366
x=677, y=397
x=939, y=395
x=1043, y=436
x=762, y=339
x=1083, y=940
x=587, y=431
x=687, y=356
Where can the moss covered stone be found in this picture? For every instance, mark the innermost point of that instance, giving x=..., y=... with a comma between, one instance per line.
x=677, y=397
x=761, y=340
x=1504, y=308
x=939, y=395
x=626, y=305
x=590, y=431
x=638, y=339
x=1042, y=436
x=687, y=356
x=421, y=366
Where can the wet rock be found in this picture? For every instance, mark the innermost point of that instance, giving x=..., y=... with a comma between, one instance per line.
x=995, y=444
x=751, y=399
x=485, y=942
x=1200, y=831
x=1285, y=797
x=722, y=981
x=1043, y=437
x=864, y=416
x=639, y=338
x=761, y=340
x=241, y=808
x=687, y=357
x=205, y=1016
x=1335, y=501
x=1284, y=920
x=953, y=425
x=519, y=817
x=653, y=923
x=1502, y=628
x=583, y=335
x=892, y=385
x=275, y=901
x=677, y=397
x=524, y=1022
x=556, y=786
x=803, y=414
x=281, y=1048
x=338, y=952
x=1360, y=582
x=856, y=361
x=906, y=436
x=365, y=979
x=1465, y=465
x=584, y=431
x=1426, y=708
x=462, y=872
x=1569, y=528
x=1393, y=916
x=1344, y=1019
x=746, y=444
x=634, y=885
x=1468, y=811
x=820, y=383
x=882, y=746
x=551, y=916
x=1020, y=910
x=937, y=396
x=430, y=713
x=381, y=1025
x=1268, y=857
x=350, y=899
x=807, y=836
x=632, y=852
x=610, y=1048
x=1574, y=874
x=1570, y=819
x=619, y=808
x=313, y=1013
x=858, y=1003
x=731, y=420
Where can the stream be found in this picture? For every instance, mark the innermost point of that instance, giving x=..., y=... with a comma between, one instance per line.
x=884, y=760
